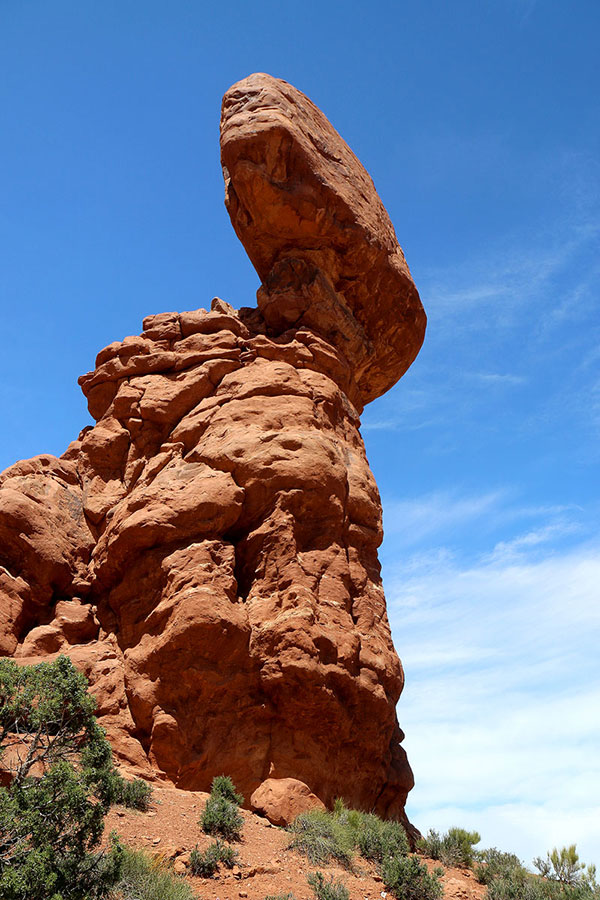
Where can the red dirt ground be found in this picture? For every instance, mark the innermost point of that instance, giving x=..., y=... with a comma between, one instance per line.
x=170, y=829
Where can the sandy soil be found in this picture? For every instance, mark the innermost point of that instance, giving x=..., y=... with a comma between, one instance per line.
x=170, y=829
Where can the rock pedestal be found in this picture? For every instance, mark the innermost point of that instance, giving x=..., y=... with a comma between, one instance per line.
x=207, y=552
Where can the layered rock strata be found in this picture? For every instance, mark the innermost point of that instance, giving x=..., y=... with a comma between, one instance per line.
x=207, y=552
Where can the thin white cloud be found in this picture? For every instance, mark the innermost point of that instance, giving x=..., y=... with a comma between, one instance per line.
x=506, y=551
x=502, y=701
x=431, y=514
x=501, y=379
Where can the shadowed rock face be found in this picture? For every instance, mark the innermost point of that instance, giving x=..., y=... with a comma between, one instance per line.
x=207, y=552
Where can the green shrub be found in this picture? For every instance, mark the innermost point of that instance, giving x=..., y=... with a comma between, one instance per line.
x=206, y=864
x=518, y=884
x=227, y=855
x=377, y=839
x=327, y=890
x=221, y=816
x=563, y=871
x=563, y=877
x=455, y=848
x=288, y=896
x=145, y=877
x=565, y=866
x=223, y=786
x=493, y=863
x=408, y=879
x=61, y=774
x=321, y=837
x=431, y=845
x=135, y=794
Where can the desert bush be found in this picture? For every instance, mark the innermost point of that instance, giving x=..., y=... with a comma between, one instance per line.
x=221, y=814
x=227, y=855
x=518, y=884
x=135, y=794
x=223, y=786
x=60, y=778
x=206, y=864
x=327, y=889
x=408, y=879
x=321, y=837
x=565, y=867
x=378, y=839
x=562, y=877
x=288, y=896
x=431, y=845
x=565, y=876
x=455, y=848
x=494, y=863
x=144, y=877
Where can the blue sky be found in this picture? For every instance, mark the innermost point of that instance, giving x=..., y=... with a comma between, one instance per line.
x=479, y=123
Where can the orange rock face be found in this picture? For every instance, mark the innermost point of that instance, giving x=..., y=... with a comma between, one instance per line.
x=207, y=552
x=280, y=800
x=308, y=214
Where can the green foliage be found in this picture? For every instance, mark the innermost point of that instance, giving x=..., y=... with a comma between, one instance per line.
x=221, y=816
x=288, y=896
x=323, y=836
x=227, y=855
x=517, y=884
x=223, y=786
x=206, y=864
x=61, y=777
x=327, y=890
x=565, y=867
x=377, y=839
x=563, y=877
x=494, y=863
x=320, y=836
x=431, y=845
x=455, y=848
x=144, y=877
x=408, y=879
x=135, y=794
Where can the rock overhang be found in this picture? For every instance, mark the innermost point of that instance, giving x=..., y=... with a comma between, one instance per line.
x=296, y=193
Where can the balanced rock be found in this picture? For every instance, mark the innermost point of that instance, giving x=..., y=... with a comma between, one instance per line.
x=308, y=215
x=207, y=552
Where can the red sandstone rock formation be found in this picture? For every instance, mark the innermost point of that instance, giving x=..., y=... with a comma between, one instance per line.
x=207, y=552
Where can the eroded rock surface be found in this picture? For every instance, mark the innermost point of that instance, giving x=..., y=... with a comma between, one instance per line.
x=309, y=217
x=207, y=552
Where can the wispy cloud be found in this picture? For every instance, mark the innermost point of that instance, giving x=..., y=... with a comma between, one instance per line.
x=511, y=550
x=511, y=278
x=498, y=378
x=503, y=685
x=423, y=517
